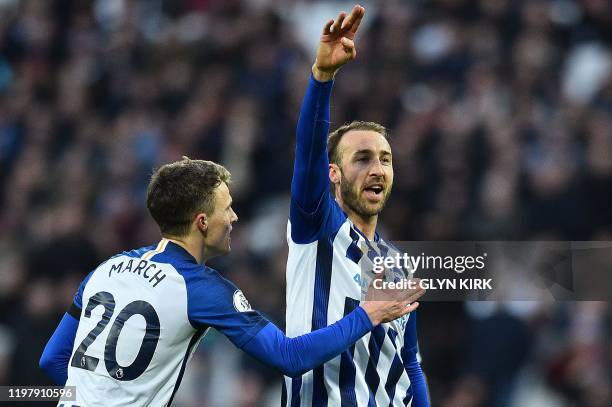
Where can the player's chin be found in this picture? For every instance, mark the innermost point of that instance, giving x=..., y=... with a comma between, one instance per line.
x=224, y=249
x=373, y=199
x=373, y=208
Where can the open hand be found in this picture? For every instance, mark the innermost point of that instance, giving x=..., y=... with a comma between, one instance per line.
x=337, y=46
x=386, y=304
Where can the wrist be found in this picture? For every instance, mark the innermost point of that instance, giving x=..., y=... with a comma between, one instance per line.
x=323, y=75
x=372, y=312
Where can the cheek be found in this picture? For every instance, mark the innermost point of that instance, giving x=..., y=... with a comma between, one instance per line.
x=390, y=175
x=354, y=174
x=349, y=181
x=228, y=228
x=361, y=178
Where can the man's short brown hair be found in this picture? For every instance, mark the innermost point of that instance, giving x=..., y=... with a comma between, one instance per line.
x=333, y=141
x=180, y=190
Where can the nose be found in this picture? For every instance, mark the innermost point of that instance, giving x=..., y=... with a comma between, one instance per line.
x=234, y=217
x=376, y=169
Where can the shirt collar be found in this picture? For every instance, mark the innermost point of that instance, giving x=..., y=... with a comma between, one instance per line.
x=176, y=250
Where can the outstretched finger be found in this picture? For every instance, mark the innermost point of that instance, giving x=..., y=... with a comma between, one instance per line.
x=326, y=28
x=416, y=295
x=356, y=13
x=357, y=19
x=338, y=23
x=411, y=307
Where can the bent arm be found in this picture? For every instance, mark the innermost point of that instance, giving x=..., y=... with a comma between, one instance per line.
x=56, y=356
x=295, y=356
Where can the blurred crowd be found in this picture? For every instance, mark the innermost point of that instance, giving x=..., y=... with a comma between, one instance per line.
x=500, y=118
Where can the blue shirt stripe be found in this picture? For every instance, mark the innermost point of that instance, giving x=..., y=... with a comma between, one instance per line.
x=348, y=397
x=372, y=379
x=319, y=310
x=396, y=371
x=296, y=386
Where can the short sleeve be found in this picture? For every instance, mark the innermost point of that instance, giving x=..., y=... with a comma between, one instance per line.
x=221, y=305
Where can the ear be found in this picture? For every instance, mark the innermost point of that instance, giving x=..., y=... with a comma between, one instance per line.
x=334, y=174
x=201, y=222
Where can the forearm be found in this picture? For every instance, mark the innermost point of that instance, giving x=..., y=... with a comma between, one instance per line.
x=56, y=356
x=310, y=178
x=294, y=356
x=412, y=365
x=418, y=383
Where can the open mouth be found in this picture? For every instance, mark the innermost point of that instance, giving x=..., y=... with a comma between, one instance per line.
x=374, y=191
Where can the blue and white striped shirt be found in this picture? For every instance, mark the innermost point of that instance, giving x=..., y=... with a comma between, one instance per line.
x=326, y=251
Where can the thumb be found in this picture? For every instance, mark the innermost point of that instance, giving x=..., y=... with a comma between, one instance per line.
x=349, y=45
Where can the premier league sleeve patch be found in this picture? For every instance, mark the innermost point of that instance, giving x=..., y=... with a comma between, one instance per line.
x=240, y=302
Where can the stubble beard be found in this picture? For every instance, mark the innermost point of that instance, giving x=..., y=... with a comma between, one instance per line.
x=350, y=198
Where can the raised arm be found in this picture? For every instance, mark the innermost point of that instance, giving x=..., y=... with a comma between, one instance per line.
x=310, y=184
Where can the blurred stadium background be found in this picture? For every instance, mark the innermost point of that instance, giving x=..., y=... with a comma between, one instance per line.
x=500, y=114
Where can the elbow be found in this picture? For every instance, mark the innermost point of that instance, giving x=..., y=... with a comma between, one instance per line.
x=52, y=366
x=45, y=362
x=292, y=368
x=292, y=372
x=49, y=360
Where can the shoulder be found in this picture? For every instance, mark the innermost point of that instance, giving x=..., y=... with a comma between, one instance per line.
x=206, y=287
x=213, y=300
x=78, y=298
x=197, y=275
x=307, y=227
x=138, y=252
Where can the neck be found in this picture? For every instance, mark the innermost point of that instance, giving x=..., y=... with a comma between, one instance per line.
x=366, y=224
x=192, y=245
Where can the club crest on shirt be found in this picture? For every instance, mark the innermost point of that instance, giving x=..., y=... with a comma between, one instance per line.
x=240, y=302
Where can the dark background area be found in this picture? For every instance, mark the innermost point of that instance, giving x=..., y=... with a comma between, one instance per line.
x=500, y=119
